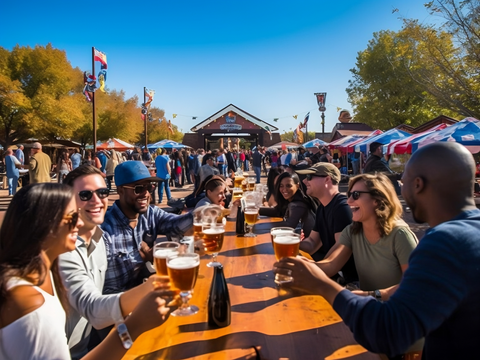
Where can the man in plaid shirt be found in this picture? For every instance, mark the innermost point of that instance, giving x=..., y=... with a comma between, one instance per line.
x=131, y=226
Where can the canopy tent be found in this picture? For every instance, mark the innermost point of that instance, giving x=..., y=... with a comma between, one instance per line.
x=115, y=144
x=350, y=147
x=465, y=132
x=284, y=145
x=344, y=141
x=404, y=146
x=166, y=144
x=314, y=143
x=385, y=138
x=53, y=143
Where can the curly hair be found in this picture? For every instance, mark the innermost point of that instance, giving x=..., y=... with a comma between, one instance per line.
x=388, y=210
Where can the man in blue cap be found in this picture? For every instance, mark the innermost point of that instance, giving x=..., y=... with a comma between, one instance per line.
x=131, y=226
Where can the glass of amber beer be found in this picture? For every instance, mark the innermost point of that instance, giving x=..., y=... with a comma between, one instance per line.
x=160, y=252
x=251, y=217
x=183, y=272
x=237, y=193
x=238, y=181
x=283, y=230
x=213, y=235
x=285, y=245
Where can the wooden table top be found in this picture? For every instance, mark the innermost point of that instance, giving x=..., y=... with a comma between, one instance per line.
x=302, y=327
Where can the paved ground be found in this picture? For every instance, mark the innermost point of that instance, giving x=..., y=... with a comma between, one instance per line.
x=418, y=229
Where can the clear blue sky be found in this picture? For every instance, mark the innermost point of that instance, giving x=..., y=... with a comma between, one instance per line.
x=266, y=57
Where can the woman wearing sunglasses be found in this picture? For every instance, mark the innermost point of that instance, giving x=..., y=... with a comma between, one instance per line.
x=296, y=208
x=40, y=224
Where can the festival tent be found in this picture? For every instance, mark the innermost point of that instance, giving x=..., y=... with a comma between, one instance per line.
x=115, y=144
x=386, y=138
x=166, y=144
x=404, y=146
x=314, y=143
x=345, y=140
x=350, y=147
x=284, y=144
x=465, y=132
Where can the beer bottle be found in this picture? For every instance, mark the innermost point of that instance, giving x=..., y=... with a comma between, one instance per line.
x=219, y=300
x=240, y=224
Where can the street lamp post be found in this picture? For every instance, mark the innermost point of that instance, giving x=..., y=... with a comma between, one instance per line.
x=321, y=100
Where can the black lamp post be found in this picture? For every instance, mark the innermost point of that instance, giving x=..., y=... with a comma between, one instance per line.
x=321, y=100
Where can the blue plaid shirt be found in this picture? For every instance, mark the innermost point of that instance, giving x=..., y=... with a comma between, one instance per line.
x=122, y=242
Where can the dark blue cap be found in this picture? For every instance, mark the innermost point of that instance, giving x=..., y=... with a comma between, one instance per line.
x=131, y=171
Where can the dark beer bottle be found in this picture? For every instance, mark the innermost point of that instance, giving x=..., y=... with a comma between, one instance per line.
x=240, y=224
x=219, y=300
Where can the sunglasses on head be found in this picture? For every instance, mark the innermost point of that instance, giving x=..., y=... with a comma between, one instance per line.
x=311, y=176
x=72, y=219
x=356, y=194
x=86, y=195
x=140, y=189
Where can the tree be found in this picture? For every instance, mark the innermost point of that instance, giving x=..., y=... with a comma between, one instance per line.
x=382, y=92
x=288, y=136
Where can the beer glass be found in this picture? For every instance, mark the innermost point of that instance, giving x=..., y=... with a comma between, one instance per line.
x=183, y=272
x=285, y=245
x=197, y=226
x=237, y=193
x=244, y=185
x=251, y=183
x=281, y=231
x=160, y=252
x=213, y=235
x=238, y=180
x=251, y=217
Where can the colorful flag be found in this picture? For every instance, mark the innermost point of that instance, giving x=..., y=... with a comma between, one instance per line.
x=174, y=115
x=170, y=127
x=275, y=119
x=99, y=56
x=305, y=121
x=149, y=96
x=295, y=117
x=338, y=109
x=298, y=134
x=102, y=77
x=267, y=129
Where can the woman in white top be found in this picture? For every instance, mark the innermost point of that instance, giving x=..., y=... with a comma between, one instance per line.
x=40, y=224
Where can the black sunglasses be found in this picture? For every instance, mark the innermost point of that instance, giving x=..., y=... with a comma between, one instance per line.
x=311, y=176
x=86, y=195
x=140, y=189
x=356, y=194
x=72, y=219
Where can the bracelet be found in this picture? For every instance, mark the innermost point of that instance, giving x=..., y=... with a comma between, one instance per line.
x=124, y=335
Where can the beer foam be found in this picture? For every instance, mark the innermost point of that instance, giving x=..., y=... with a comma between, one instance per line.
x=213, y=231
x=286, y=240
x=163, y=253
x=250, y=212
x=282, y=232
x=183, y=262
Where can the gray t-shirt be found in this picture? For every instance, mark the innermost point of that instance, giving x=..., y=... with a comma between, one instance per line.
x=378, y=265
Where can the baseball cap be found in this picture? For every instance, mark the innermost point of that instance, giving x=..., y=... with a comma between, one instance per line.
x=323, y=169
x=132, y=171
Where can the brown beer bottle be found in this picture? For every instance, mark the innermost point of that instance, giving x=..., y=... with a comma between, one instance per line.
x=219, y=312
x=240, y=224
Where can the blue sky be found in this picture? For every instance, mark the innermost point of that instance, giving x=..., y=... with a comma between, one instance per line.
x=266, y=57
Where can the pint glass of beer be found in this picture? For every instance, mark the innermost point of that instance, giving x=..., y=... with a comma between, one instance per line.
x=251, y=183
x=284, y=230
x=160, y=252
x=238, y=181
x=237, y=193
x=251, y=217
x=213, y=235
x=183, y=272
x=285, y=245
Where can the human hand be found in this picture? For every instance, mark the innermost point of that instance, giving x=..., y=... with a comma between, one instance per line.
x=360, y=292
x=199, y=247
x=146, y=252
x=302, y=235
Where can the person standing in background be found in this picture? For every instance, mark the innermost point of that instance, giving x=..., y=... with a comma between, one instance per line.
x=162, y=163
x=39, y=165
x=20, y=155
x=12, y=164
x=76, y=159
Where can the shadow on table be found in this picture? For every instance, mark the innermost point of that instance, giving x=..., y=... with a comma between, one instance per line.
x=296, y=345
x=260, y=249
x=254, y=281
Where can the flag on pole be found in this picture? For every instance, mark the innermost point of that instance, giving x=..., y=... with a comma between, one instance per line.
x=267, y=129
x=149, y=96
x=99, y=56
x=170, y=127
x=305, y=121
x=298, y=134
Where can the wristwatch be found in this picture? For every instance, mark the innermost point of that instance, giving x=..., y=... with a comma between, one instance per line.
x=124, y=335
x=378, y=294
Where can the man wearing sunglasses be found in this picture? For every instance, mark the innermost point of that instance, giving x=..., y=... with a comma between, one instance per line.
x=131, y=227
x=333, y=214
x=83, y=270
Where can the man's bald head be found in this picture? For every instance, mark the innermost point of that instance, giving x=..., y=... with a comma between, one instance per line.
x=439, y=173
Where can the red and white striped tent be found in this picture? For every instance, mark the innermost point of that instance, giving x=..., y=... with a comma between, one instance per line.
x=115, y=144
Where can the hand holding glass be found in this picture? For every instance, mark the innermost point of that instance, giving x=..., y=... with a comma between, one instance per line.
x=160, y=253
x=285, y=245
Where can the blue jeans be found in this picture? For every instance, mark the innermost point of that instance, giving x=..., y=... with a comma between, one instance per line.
x=165, y=184
x=258, y=170
x=246, y=165
x=12, y=185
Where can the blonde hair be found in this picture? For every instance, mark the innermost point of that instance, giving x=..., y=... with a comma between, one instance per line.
x=388, y=210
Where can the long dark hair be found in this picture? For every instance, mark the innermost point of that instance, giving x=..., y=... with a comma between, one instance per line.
x=282, y=203
x=34, y=214
x=211, y=182
x=272, y=174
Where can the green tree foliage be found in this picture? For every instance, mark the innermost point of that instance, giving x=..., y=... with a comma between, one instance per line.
x=288, y=136
x=158, y=128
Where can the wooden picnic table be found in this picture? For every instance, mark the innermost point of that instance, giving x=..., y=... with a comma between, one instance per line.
x=276, y=327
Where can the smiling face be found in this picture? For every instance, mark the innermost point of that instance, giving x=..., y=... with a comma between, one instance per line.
x=133, y=204
x=363, y=209
x=316, y=186
x=65, y=237
x=217, y=195
x=92, y=211
x=288, y=188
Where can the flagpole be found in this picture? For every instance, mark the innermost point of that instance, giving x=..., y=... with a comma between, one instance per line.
x=93, y=104
x=146, y=116
x=306, y=132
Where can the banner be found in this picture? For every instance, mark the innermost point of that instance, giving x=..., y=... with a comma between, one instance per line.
x=305, y=121
x=99, y=56
x=149, y=97
x=321, y=99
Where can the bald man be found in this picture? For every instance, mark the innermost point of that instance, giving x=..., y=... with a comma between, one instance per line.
x=439, y=295
x=39, y=165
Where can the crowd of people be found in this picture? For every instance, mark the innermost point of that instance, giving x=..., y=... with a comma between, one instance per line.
x=65, y=283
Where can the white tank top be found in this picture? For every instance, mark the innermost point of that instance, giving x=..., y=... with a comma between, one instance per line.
x=37, y=335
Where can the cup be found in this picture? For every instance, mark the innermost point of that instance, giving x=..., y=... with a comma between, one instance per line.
x=285, y=245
